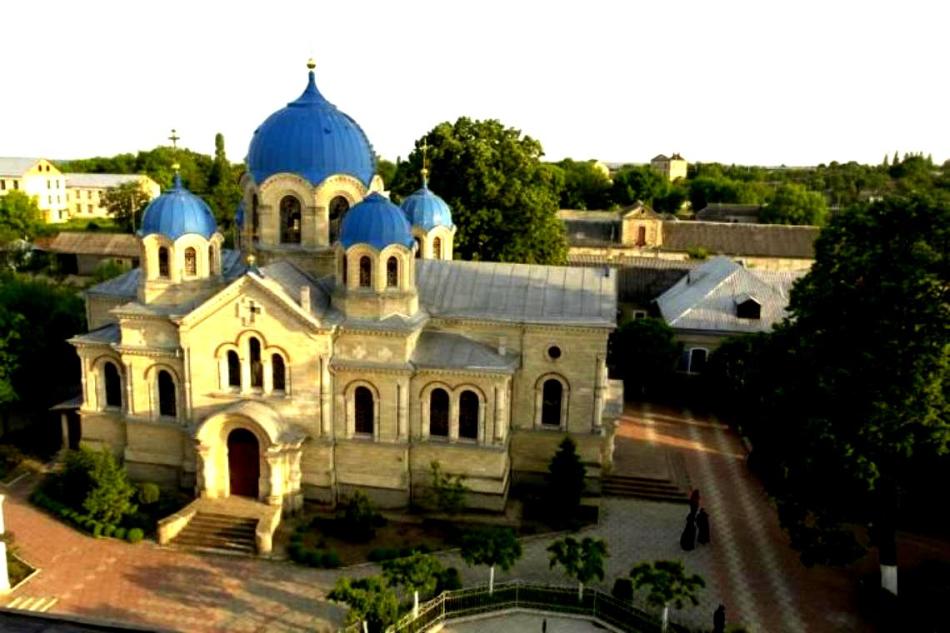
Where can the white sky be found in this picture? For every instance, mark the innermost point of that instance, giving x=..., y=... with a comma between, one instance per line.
x=761, y=82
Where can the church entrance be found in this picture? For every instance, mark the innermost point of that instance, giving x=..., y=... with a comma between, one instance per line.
x=244, y=463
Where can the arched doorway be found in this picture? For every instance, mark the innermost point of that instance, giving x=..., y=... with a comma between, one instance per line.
x=244, y=463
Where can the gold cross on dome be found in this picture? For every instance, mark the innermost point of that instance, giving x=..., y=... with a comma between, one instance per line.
x=174, y=139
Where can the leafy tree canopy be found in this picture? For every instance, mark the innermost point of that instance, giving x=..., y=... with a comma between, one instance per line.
x=585, y=185
x=566, y=479
x=20, y=218
x=582, y=560
x=794, y=204
x=668, y=583
x=504, y=199
x=643, y=353
x=126, y=203
x=370, y=599
x=491, y=546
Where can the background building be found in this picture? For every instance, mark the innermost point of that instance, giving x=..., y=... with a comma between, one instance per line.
x=85, y=192
x=672, y=167
x=40, y=179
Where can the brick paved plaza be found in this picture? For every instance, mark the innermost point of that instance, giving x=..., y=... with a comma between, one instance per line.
x=748, y=565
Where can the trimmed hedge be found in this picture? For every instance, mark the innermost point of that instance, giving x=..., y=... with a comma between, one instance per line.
x=312, y=556
x=84, y=522
x=135, y=535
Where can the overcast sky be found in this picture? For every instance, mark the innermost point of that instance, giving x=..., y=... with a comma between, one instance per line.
x=760, y=82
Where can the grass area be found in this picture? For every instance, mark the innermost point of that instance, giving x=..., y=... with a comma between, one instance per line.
x=106, y=225
x=17, y=569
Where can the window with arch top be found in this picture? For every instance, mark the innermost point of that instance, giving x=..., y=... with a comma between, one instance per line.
x=191, y=262
x=437, y=248
x=338, y=208
x=167, y=400
x=211, y=269
x=257, y=367
x=289, y=220
x=363, y=411
x=113, y=384
x=468, y=415
x=392, y=272
x=551, y=396
x=439, y=413
x=163, y=261
x=234, y=369
x=418, y=248
x=279, y=372
x=366, y=272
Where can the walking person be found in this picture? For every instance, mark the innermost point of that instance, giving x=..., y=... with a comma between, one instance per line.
x=694, y=501
x=688, y=537
x=719, y=619
x=702, y=527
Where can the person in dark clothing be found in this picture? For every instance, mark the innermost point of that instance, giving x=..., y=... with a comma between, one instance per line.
x=719, y=619
x=702, y=527
x=688, y=537
x=694, y=501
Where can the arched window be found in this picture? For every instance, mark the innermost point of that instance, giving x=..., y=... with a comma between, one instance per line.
x=437, y=248
x=418, y=247
x=257, y=367
x=439, y=413
x=468, y=415
x=162, y=262
x=343, y=266
x=551, y=397
x=234, y=369
x=697, y=360
x=113, y=385
x=167, y=401
x=211, y=269
x=279, y=372
x=191, y=262
x=392, y=272
x=338, y=208
x=363, y=410
x=255, y=217
x=290, y=220
x=366, y=272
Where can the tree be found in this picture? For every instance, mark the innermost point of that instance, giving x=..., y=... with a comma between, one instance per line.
x=668, y=585
x=504, y=200
x=386, y=170
x=224, y=192
x=20, y=221
x=110, y=495
x=126, y=203
x=566, y=479
x=491, y=546
x=793, y=204
x=643, y=353
x=448, y=490
x=9, y=326
x=585, y=185
x=359, y=518
x=865, y=401
x=371, y=602
x=418, y=573
x=583, y=561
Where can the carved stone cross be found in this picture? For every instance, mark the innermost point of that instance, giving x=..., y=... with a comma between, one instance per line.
x=248, y=309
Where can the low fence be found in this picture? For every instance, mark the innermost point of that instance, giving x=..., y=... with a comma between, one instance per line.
x=464, y=603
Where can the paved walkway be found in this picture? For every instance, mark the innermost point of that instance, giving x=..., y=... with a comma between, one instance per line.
x=748, y=566
x=523, y=623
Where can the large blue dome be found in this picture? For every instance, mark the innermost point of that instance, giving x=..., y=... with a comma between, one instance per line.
x=427, y=210
x=376, y=221
x=312, y=139
x=178, y=212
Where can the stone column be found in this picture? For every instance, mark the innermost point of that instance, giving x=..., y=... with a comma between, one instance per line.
x=453, y=418
x=204, y=471
x=268, y=373
x=4, y=572
x=326, y=413
x=85, y=387
x=481, y=423
x=186, y=386
x=129, y=394
x=276, y=493
x=500, y=422
x=600, y=384
x=402, y=403
x=64, y=423
x=246, y=374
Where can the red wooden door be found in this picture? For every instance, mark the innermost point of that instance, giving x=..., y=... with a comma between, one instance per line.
x=244, y=463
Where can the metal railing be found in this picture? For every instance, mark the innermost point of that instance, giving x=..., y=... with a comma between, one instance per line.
x=553, y=599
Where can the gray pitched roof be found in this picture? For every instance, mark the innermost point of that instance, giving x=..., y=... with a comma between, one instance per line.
x=442, y=350
x=519, y=293
x=721, y=212
x=100, y=181
x=101, y=336
x=126, y=285
x=78, y=243
x=706, y=298
x=291, y=279
x=16, y=166
x=728, y=238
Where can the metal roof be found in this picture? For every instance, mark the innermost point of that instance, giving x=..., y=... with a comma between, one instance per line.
x=101, y=181
x=706, y=297
x=101, y=336
x=735, y=238
x=442, y=350
x=427, y=210
x=376, y=221
x=79, y=243
x=520, y=293
x=126, y=285
x=178, y=212
x=313, y=139
x=16, y=166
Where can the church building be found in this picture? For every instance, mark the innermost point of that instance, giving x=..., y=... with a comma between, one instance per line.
x=341, y=347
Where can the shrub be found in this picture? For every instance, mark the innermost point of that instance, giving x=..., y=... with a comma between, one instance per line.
x=109, y=530
x=149, y=493
x=448, y=580
x=379, y=554
x=97, y=529
x=623, y=589
x=359, y=519
x=135, y=535
x=119, y=533
x=331, y=560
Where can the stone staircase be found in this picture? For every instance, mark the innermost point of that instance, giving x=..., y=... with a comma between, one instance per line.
x=219, y=533
x=667, y=483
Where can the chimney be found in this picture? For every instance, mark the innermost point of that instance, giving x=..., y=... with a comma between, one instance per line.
x=305, y=298
x=502, y=345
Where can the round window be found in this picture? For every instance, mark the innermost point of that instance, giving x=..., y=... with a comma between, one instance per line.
x=554, y=352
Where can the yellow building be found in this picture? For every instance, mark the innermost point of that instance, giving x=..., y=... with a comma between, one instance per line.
x=84, y=192
x=40, y=179
x=343, y=349
x=672, y=167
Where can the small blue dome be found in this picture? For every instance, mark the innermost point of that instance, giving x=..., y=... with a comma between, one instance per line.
x=178, y=212
x=376, y=221
x=427, y=210
x=312, y=139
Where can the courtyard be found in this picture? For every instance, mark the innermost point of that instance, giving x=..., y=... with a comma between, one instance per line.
x=748, y=566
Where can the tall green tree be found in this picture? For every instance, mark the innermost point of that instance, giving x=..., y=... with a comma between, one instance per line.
x=585, y=185
x=492, y=546
x=504, y=199
x=566, y=479
x=20, y=221
x=865, y=398
x=224, y=192
x=794, y=204
x=110, y=495
x=668, y=584
x=371, y=600
x=582, y=561
x=126, y=203
x=418, y=573
x=10, y=323
x=643, y=353
x=633, y=183
x=448, y=490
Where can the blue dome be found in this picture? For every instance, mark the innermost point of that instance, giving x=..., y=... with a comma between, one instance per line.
x=427, y=210
x=376, y=221
x=312, y=139
x=178, y=212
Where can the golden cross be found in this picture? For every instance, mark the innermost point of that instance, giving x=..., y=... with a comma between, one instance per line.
x=425, y=169
x=174, y=139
